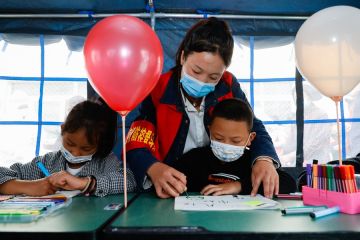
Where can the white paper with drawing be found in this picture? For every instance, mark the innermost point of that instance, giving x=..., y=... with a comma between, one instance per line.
x=223, y=203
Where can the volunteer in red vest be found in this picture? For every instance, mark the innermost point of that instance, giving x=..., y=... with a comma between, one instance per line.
x=174, y=118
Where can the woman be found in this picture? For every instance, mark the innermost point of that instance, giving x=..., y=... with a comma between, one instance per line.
x=174, y=118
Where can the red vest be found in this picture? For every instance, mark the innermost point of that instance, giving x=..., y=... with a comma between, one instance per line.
x=160, y=138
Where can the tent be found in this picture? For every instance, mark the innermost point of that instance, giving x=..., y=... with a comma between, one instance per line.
x=257, y=24
x=76, y=17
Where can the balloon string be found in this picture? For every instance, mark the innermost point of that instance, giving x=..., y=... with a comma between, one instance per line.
x=338, y=131
x=124, y=160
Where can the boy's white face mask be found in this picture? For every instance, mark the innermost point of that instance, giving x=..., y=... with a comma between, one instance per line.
x=72, y=159
x=227, y=152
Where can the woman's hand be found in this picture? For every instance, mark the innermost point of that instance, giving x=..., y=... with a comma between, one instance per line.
x=168, y=182
x=221, y=189
x=65, y=180
x=264, y=172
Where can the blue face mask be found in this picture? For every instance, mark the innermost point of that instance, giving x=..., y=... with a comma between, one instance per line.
x=226, y=152
x=194, y=87
x=73, y=159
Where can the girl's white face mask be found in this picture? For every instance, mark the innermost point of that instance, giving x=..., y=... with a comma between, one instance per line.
x=227, y=152
x=72, y=159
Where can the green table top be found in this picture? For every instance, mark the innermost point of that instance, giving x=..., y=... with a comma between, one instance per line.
x=84, y=215
x=149, y=212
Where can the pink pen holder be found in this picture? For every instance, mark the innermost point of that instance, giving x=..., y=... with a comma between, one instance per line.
x=348, y=202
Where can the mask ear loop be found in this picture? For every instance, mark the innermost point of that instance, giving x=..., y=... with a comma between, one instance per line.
x=247, y=141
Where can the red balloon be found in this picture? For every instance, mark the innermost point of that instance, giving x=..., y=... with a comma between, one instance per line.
x=124, y=60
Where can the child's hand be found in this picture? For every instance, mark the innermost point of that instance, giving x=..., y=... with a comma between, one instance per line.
x=222, y=189
x=65, y=180
x=39, y=187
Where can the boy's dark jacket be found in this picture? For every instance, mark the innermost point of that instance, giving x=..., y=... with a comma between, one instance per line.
x=159, y=133
x=202, y=168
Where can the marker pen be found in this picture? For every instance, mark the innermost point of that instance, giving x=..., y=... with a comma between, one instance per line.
x=301, y=210
x=337, y=179
x=330, y=177
x=42, y=168
x=288, y=196
x=315, y=176
x=324, y=177
x=343, y=179
x=348, y=179
x=325, y=212
x=320, y=177
x=357, y=180
x=353, y=180
x=296, y=193
x=308, y=175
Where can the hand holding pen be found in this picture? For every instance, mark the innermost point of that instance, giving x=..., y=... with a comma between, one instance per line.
x=66, y=181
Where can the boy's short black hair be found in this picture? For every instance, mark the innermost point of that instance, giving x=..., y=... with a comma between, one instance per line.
x=99, y=121
x=233, y=109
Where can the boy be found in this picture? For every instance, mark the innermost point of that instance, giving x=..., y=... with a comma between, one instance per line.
x=221, y=168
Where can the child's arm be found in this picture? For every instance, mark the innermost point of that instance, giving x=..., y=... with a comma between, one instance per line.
x=222, y=189
x=27, y=171
x=25, y=178
x=38, y=187
x=111, y=179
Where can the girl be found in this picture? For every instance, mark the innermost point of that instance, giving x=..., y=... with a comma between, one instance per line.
x=85, y=161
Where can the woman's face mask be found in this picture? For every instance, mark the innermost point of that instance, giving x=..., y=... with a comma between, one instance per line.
x=73, y=159
x=227, y=152
x=194, y=87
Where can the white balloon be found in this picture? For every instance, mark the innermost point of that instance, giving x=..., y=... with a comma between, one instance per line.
x=327, y=49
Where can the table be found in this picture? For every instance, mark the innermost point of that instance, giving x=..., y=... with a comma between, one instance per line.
x=82, y=219
x=151, y=218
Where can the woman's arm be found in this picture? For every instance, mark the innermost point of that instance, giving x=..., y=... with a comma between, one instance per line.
x=139, y=148
x=263, y=155
x=168, y=182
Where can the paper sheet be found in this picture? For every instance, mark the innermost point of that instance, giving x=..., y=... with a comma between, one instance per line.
x=224, y=203
x=5, y=197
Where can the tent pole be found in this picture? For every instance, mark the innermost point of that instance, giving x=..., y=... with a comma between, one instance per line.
x=152, y=14
x=155, y=15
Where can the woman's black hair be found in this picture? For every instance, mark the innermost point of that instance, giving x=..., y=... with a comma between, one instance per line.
x=99, y=122
x=233, y=109
x=208, y=35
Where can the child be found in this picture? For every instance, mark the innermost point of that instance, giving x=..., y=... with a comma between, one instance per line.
x=85, y=161
x=221, y=168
